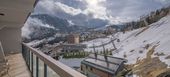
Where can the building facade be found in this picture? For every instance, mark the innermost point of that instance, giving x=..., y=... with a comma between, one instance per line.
x=73, y=39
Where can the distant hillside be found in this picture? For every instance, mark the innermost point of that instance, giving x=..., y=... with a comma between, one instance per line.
x=145, y=49
x=44, y=26
x=61, y=24
x=146, y=20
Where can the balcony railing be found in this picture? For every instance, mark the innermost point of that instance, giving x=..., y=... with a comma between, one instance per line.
x=42, y=65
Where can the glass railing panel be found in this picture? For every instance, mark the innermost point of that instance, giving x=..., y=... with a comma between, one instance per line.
x=51, y=73
x=27, y=57
x=34, y=65
x=40, y=65
x=40, y=68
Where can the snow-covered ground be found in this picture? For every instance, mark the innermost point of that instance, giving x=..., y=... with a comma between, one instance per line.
x=98, y=42
x=45, y=40
x=132, y=44
x=72, y=62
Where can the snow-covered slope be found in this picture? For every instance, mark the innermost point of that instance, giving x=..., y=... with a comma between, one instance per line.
x=135, y=44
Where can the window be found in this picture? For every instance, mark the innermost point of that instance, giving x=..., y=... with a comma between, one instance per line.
x=41, y=68
x=91, y=69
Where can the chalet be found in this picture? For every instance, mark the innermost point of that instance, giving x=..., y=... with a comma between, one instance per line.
x=102, y=66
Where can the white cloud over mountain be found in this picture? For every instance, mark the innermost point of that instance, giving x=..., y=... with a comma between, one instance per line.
x=93, y=13
x=112, y=11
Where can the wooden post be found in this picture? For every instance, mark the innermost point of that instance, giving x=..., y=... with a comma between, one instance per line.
x=105, y=55
x=95, y=54
x=103, y=48
x=113, y=43
x=94, y=49
x=146, y=23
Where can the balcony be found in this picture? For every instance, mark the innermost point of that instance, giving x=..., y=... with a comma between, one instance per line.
x=41, y=65
x=31, y=62
x=34, y=63
x=16, y=67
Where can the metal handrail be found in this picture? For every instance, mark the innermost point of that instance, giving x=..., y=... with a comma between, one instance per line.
x=61, y=69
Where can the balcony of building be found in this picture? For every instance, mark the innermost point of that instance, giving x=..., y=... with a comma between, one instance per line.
x=34, y=63
x=20, y=60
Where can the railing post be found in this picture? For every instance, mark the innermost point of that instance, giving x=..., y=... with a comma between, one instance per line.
x=29, y=59
x=32, y=64
x=45, y=70
x=37, y=66
x=54, y=66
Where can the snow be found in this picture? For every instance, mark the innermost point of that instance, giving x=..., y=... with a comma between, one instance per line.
x=135, y=76
x=37, y=42
x=72, y=62
x=98, y=42
x=157, y=34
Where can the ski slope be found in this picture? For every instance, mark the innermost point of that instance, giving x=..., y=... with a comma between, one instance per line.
x=133, y=43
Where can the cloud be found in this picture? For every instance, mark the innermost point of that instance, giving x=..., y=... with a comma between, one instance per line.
x=27, y=28
x=113, y=11
x=64, y=10
x=44, y=6
x=77, y=4
x=67, y=9
x=163, y=2
x=93, y=13
x=128, y=10
x=94, y=7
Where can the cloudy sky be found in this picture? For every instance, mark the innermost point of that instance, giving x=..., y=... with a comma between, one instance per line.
x=98, y=11
x=93, y=13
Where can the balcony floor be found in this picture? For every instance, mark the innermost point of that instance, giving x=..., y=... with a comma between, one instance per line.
x=17, y=66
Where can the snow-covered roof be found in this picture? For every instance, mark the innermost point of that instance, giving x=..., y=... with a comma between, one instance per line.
x=110, y=65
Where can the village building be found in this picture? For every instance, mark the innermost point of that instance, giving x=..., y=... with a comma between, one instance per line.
x=73, y=39
x=102, y=66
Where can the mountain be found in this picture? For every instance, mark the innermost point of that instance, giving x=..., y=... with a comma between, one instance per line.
x=118, y=27
x=44, y=26
x=145, y=49
x=41, y=32
x=62, y=25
